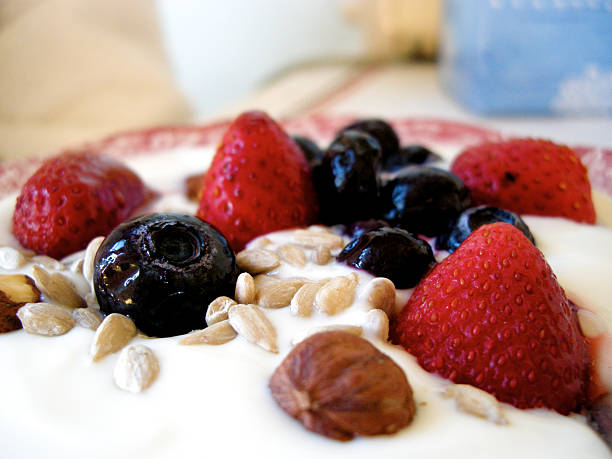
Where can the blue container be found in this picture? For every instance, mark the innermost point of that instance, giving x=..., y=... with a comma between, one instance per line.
x=529, y=56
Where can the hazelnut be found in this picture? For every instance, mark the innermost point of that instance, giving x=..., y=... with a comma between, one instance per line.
x=339, y=385
x=15, y=291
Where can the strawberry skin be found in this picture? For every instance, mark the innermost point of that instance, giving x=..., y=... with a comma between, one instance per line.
x=493, y=315
x=73, y=198
x=527, y=176
x=258, y=182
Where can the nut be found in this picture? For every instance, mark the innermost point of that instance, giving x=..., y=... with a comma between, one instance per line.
x=274, y=293
x=15, y=291
x=217, y=310
x=218, y=333
x=292, y=254
x=315, y=239
x=245, y=289
x=57, y=288
x=303, y=301
x=45, y=319
x=136, y=369
x=339, y=385
x=336, y=295
x=113, y=334
x=11, y=258
x=252, y=324
x=379, y=293
x=475, y=401
x=256, y=261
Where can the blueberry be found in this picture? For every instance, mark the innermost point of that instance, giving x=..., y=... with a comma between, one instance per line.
x=162, y=271
x=356, y=229
x=393, y=253
x=347, y=179
x=424, y=200
x=312, y=152
x=409, y=155
x=475, y=217
x=381, y=131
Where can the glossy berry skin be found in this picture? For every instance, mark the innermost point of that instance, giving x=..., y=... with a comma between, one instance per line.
x=347, y=179
x=73, y=198
x=493, y=315
x=424, y=200
x=381, y=131
x=392, y=253
x=356, y=229
x=311, y=150
x=527, y=176
x=409, y=155
x=258, y=182
x=475, y=217
x=162, y=271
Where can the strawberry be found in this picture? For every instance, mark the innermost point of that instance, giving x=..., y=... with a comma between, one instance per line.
x=493, y=315
x=73, y=198
x=258, y=182
x=527, y=176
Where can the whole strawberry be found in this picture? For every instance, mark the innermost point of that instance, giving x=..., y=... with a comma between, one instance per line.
x=258, y=182
x=527, y=176
x=493, y=315
x=73, y=198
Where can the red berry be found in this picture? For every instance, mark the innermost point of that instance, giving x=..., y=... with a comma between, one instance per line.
x=493, y=315
x=527, y=176
x=258, y=182
x=73, y=198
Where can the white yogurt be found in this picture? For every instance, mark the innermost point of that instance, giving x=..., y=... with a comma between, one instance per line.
x=213, y=401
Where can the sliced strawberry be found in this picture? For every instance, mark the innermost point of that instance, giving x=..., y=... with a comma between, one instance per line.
x=258, y=182
x=527, y=176
x=493, y=315
x=73, y=198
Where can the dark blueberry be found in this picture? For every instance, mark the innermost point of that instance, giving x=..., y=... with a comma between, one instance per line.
x=381, y=131
x=356, y=229
x=162, y=271
x=424, y=200
x=393, y=253
x=409, y=155
x=347, y=179
x=475, y=217
x=312, y=152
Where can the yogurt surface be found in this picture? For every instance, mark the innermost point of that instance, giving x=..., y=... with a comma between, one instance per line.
x=212, y=401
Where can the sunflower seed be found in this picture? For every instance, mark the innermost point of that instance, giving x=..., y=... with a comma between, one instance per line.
x=260, y=242
x=48, y=262
x=477, y=402
x=217, y=310
x=303, y=301
x=114, y=333
x=322, y=255
x=353, y=329
x=590, y=323
x=275, y=293
x=88, y=261
x=11, y=258
x=87, y=318
x=377, y=324
x=314, y=239
x=251, y=323
x=218, y=333
x=45, y=319
x=379, y=293
x=57, y=288
x=257, y=261
x=292, y=254
x=245, y=289
x=136, y=369
x=336, y=295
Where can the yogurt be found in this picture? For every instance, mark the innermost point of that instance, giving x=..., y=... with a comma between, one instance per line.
x=213, y=401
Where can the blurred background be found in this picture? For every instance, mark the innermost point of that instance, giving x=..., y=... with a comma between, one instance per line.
x=73, y=71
